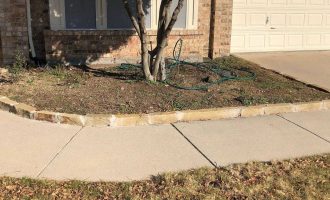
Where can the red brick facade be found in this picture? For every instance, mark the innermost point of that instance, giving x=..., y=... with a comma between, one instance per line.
x=13, y=28
x=212, y=38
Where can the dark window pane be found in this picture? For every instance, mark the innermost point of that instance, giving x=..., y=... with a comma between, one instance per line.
x=117, y=15
x=182, y=18
x=80, y=14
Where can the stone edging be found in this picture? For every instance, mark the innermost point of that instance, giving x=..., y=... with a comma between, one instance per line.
x=30, y=112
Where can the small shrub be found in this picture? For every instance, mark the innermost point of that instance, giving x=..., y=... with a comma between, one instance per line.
x=59, y=71
x=18, y=66
x=74, y=79
x=251, y=100
x=68, y=77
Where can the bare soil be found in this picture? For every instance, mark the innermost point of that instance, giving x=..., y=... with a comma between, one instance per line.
x=83, y=90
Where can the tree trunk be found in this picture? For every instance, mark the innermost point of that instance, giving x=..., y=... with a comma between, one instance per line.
x=144, y=41
x=153, y=60
x=145, y=61
x=163, y=69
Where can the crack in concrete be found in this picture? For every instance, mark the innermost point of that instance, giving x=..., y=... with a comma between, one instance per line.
x=59, y=152
x=315, y=134
x=195, y=147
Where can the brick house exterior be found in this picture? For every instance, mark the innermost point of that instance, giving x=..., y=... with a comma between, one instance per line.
x=210, y=39
x=13, y=29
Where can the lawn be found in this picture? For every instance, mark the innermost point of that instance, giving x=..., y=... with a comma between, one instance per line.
x=304, y=178
x=116, y=90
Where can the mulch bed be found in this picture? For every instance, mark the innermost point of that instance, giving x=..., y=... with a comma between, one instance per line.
x=123, y=90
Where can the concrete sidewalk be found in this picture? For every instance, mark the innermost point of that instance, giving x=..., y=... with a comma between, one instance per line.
x=311, y=67
x=43, y=150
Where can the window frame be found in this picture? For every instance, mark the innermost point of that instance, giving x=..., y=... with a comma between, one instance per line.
x=57, y=15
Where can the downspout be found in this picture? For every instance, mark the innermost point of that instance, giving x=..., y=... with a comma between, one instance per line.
x=28, y=13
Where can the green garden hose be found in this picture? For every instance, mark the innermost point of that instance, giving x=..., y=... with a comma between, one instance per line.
x=224, y=74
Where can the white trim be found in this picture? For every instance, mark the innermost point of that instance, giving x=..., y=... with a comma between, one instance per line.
x=154, y=7
x=28, y=13
x=101, y=14
x=57, y=14
x=192, y=12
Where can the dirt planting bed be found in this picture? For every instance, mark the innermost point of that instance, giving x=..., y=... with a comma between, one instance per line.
x=114, y=90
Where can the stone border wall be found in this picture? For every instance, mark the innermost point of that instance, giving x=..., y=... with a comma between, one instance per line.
x=158, y=118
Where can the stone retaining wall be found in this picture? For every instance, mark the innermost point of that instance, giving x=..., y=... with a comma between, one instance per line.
x=159, y=118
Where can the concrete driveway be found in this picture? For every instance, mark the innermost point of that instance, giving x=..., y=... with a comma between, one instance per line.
x=312, y=67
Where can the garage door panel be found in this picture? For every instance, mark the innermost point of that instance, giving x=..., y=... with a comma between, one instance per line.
x=280, y=25
x=258, y=2
x=295, y=41
x=238, y=41
x=239, y=19
x=257, y=41
x=317, y=2
x=327, y=19
x=313, y=39
x=240, y=3
x=277, y=19
x=278, y=2
x=327, y=39
x=296, y=19
x=257, y=19
x=315, y=19
x=297, y=2
x=277, y=41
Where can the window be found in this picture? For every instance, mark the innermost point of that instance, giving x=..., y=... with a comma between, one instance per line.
x=116, y=10
x=111, y=14
x=182, y=18
x=80, y=14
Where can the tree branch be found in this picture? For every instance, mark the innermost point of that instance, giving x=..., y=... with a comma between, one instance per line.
x=174, y=18
x=132, y=17
x=162, y=41
x=163, y=17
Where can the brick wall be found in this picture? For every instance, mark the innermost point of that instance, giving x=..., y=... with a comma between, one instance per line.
x=223, y=27
x=107, y=46
x=13, y=27
x=100, y=47
x=204, y=24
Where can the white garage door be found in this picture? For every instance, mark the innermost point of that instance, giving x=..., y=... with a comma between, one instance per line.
x=280, y=25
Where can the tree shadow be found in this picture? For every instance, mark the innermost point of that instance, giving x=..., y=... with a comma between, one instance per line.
x=89, y=46
x=133, y=73
x=4, y=80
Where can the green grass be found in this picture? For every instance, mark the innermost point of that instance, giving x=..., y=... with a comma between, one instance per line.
x=304, y=178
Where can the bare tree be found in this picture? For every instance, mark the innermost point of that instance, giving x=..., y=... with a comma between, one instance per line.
x=153, y=59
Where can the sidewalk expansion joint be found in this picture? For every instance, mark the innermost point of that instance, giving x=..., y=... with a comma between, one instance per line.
x=185, y=137
x=59, y=152
x=322, y=138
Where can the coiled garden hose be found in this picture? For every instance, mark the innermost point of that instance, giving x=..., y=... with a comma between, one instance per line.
x=224, y=74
